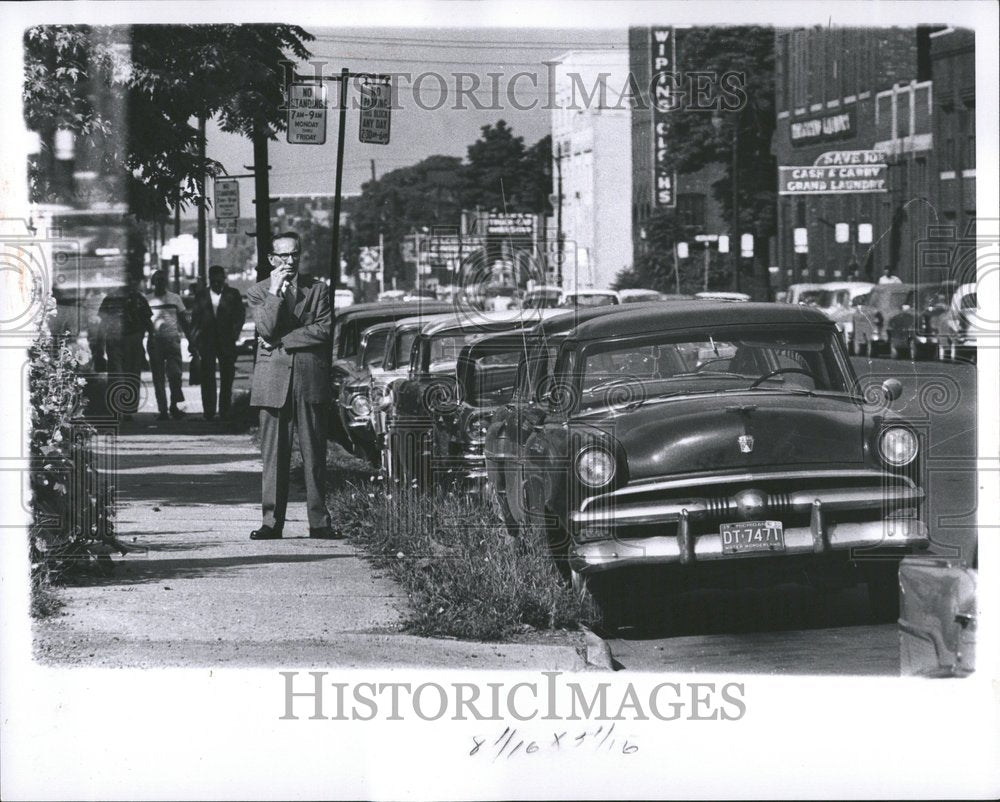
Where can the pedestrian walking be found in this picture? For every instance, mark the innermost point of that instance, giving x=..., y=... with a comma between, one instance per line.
x=124, y=319
x=217, y=317
x=164, y=345
x=291, y=385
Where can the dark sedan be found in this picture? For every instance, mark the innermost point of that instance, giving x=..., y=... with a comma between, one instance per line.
x=719, y=442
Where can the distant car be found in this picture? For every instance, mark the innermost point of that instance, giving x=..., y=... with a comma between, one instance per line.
x=722, y=296
x=571, y=300
x=342, y=299
x=803, y=293
x=701, y=443
x=392, y=295
x=870, y=335
x=837, y=301
x=960, y=325
x=907, y=329
x=542, y=298
x=638, y=296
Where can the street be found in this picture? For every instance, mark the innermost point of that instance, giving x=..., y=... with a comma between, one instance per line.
x=791, y=629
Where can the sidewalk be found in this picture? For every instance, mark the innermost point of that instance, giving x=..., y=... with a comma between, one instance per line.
x=198, y=592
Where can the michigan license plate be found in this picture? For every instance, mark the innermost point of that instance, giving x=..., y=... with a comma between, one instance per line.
x=747, y=537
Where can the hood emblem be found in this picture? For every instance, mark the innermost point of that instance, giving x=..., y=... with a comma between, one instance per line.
x=746, y=443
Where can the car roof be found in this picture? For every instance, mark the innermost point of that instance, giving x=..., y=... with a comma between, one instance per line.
x=847, y=285
x=473, y=319
x=646, y=318
x=376, y=309
x=590, y=291
x=421, y=320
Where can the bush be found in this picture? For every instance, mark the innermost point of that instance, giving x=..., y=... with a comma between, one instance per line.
x=72, y=504
x=465, y=575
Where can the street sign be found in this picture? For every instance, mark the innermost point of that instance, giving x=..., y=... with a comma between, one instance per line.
x=682, y=250
x=227, y=225
x=723, y=243
x=520, y=224
x=306, y=114
x=369, y=259
x=375, y=117
x=227, y=199
x=663, y=68
x=801, y=240
x=706, y=237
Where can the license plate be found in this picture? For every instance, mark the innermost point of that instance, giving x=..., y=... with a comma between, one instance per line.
x=748, y=537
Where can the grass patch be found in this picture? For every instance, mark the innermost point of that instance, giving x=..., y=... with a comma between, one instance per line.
x=465, y=575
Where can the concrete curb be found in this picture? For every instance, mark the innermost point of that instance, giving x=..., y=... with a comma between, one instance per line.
x=597, y=652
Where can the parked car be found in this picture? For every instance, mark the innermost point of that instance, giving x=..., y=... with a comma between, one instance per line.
x=488, y=373
x=571, y=300
x=837, y=301
x=365, y=391
x=542, y=298
x=354, y=403
x=703, y=444
x=907, y=329
x=410, y=403
x=958, y=328
x=342, y=299
x=871, y=336
x=721, y=296
x=639, y=296
x=348, y=325
x=803, y=293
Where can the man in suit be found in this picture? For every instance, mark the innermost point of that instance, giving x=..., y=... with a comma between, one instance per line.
x=291, y=384
x=217, y=318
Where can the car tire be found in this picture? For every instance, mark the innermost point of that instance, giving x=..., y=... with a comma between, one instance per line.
x=882, y=578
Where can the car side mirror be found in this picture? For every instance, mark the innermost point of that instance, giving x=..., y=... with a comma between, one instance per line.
x=892, y=389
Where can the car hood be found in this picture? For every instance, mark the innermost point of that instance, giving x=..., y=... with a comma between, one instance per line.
x=702, y=433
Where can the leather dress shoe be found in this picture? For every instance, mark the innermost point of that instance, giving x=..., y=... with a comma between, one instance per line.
x=324, y=533
x=266, y=533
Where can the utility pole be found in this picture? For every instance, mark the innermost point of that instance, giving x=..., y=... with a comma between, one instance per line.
x=202, y=233
x=335, y=245
x=373, y=171
x=734, y=240
x=262, y=193
x=177, y=233
x=559, y=213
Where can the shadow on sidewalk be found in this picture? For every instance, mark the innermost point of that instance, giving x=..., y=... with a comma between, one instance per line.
x=141, y=571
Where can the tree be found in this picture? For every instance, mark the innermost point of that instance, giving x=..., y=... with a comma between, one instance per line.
x=502, y=175
x=132, y=97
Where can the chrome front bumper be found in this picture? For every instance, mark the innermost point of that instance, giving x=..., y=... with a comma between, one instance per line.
x=891, y=502
x=604, y=554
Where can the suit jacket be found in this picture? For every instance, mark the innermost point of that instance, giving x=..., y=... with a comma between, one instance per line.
x=303, y=341
x=217, y=331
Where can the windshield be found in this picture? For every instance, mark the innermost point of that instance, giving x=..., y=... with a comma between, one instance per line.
x=446, y=348
x=571, y=301
x=403, y=346
x=755, y=358
x=374, y=348
x=493, y=378
x=829, y=299
x=541, y=299
x=810, y=296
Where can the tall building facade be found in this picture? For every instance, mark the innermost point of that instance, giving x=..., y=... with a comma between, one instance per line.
x=696, y=207
x=592, y=167
x=859, y=147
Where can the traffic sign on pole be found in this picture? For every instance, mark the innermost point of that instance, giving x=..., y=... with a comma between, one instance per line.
x=375, y=117
x=306, y=114
x=227, y=199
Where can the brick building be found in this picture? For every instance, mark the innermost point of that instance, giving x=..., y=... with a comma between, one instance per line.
x=867, y=89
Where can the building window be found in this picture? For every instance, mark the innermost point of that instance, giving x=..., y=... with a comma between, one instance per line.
x=691, y=210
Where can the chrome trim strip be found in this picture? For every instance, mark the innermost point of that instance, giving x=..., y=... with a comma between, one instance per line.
x=670, y=484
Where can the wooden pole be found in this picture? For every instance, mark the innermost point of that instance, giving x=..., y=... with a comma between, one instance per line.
x=262, y=196
x=335, y=246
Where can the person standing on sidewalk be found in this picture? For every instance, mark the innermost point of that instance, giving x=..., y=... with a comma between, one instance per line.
x=291, y=385
x=125, y=318
x=164, y=345
x=216, y=320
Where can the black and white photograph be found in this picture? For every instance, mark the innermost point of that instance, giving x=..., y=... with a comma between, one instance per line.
x=456, y=400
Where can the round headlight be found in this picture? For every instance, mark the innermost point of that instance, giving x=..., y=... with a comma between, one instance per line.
x=477, y=425
x=898, y=446
x=361, y=406
x=595, y=467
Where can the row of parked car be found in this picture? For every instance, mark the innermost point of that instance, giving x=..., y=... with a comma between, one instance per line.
x=919, y=321
x=721, y=442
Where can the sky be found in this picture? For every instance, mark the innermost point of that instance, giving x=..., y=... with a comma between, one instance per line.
x=418, y=130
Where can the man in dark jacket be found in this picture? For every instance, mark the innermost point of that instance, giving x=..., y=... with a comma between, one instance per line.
x=125, y=319
x=291, y=385
x=216, y=320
